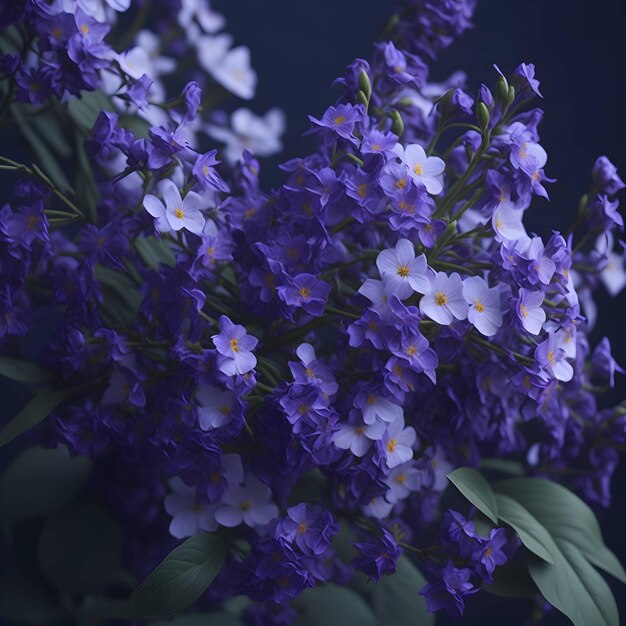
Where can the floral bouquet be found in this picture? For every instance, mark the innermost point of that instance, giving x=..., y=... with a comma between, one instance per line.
x=360, y=398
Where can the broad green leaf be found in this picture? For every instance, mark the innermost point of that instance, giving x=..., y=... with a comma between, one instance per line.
x=155, y=252
x=180, y=579
x=122, y=297
x=512, y=580
x=23, y=371
x=503, y=465
x=40, y=480
x=330, y=605
x=483, y=525
x=575, y=588
x=396, y=598
x=565, y=516
x=477, y=490
x=80, y=549
x=531, y=533
x=34, y=412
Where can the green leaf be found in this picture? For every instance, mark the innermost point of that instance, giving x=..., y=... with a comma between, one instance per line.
x=80, y=549
x=34, y=412
x=477, y=490
x=87, y=195
x=503, y=465
x=531, y=533
x=23, y=371
x=180, y=579
x=565, y=516
x=155, y=252
x=512, y=580
x=45, y=157
x=122, y=298
x=575, y=588
x=330, y=605
x=85, y=110
x=40, y=480
x=396, y=598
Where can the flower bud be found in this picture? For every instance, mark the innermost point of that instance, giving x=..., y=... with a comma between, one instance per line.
x=397, y=126
x=482, y=113
x=365, y=85
x=502, y=87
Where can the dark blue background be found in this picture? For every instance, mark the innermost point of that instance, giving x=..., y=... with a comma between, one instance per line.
x=579, y=49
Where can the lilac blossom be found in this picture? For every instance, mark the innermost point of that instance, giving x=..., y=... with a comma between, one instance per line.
x=235, y=346
x=444, y=301
x=177, y=212
x=402, y=271
x=484, y=305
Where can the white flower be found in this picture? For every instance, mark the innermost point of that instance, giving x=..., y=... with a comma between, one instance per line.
x=188, y=515
x=235, y=73
x=176, y=213
x=216, y=407
x=358, y=437
x=507, y=224
x=613, y=275
x=199, y=10
x=397, y=443
x=424, y=170
x=484, y=311
x=258, y=135
x=529, y=310
x=444, y=300
x=401, y=271
x=249, y=504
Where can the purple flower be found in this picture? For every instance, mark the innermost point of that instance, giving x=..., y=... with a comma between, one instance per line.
x=550, y=356
x=310, y=529
x=188, y=515
x=305, y=291
x=450, y=592
x=378, y=558
x=424, y=170
x=605, y=176
x=341, y=119
x=206, y=174
x=397, y=443
x=235, y=346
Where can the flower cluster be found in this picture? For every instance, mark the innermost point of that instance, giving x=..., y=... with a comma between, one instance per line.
x=378, y=320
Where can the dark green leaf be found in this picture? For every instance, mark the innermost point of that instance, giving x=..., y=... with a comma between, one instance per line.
x=531, y=533
x=40, y=480
x=512, y=580
x=87, y=195
x=122, y=298
x=48, y=128
x=477, y=490
x=85, y=110
x=483, y=525
x=565, y=516
x=330, y=605
x=503, y=465
x=34, y=412
x=23, y=371
x=46, y=159
x=155, y=252
x=180, y=579
x=575, y=588
x=396, y=598
x=80, y=549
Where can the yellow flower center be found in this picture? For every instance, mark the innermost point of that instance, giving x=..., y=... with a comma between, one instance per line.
x=234, y=345
x=302, y=528
x=479, y=306
x=340, y=119
x=441, y=299
x=404, y=271
x=179, y=213
x=551, y=358
x=309, y=372
x=418, y=169
x=224, y=410
x=245, y=506
x=304, y=292
x=85, y=29
x=371, y=399
x=411, y=350
x=523, y=310
x=401, y=183
x=391, y=445
x=400, y=479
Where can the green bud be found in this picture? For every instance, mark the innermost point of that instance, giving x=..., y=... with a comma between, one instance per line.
x=405, y=102
x=362, y=99
x=510, y=96
x=482, y=113
x=502, y=87
x=582, y=204
x=397, y=126
x=365, y=85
